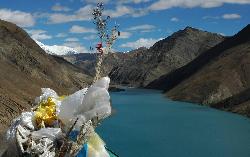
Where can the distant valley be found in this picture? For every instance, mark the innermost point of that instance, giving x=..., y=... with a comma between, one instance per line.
x=139, y=67
x=191, y=65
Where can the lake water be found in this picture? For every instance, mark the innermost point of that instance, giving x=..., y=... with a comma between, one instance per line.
x=146, y=124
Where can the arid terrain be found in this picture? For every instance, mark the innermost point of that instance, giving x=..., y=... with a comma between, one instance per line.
x=26, y=68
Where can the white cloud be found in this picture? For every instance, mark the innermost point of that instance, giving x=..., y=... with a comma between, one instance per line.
x=117, y=1
x=41, y=36
x=142, y=42
x=80, y=29
x=95, y=1
x=20, y=18
x=210, y=17
x=167, y=4
x=71, y=39
x=231, y=16
x=61, y=18
x=125, y=35
x=142, y=28
x=61, y=35
x=38, y=34
x=59, y=7
x=133, y=1
x=120, y=10
x=77, y=46
x=83, y=14
x=224, y=16
x=90, y=37
x=174, y=19
x=139, y=12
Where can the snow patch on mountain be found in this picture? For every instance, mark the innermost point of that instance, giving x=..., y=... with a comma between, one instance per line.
x=56, y=49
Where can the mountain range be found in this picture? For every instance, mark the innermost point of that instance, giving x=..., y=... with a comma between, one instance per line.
x=190, y=65
x=141, y=66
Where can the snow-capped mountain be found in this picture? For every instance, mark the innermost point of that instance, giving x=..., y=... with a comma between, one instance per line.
x=56, y=49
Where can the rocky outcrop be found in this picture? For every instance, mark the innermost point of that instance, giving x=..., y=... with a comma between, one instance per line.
x=25, y=68
x=239, y=103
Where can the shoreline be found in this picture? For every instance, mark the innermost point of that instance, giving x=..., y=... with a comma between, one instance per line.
x=186, y=101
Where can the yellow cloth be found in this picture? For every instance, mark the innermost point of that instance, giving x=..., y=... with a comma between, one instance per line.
x=95, y=141
x=46, y=113
x=96, y=147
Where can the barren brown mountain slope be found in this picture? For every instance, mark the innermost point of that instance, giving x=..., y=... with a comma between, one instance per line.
x=141, y=66
x=220, y=77
x=25, y=68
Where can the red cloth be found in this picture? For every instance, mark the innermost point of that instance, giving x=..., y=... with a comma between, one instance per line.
x=99, y=48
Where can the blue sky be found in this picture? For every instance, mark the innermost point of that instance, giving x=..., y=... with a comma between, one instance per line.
x=142, y=22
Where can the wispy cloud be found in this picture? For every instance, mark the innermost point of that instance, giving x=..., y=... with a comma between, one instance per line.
x=20, y=18
x=90, y=37
x=124, y=10
x=80, y=29
x=231, y=16
x=38, y=34
x=224, y=16
x=125, y=35
x=142, y=42
x=72, y=39
x=61, y=35
x=119, y=10
x=174, y=19
x=83, y=14
x=132, y=1
x=77, y=46
x=210, y=17
x=95, y=1
x=167, y=4
x=59, y=7
x=142, y=28
x=116, y=1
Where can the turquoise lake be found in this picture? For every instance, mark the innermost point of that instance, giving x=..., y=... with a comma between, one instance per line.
x=146, y=124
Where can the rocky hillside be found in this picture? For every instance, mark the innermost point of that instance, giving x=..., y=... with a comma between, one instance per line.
x=141, y=66
x=25, y=68
x=85, y=61
x=164, y=56
x=219, y=77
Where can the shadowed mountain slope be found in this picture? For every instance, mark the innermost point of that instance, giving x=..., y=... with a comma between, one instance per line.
x=219, y=77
